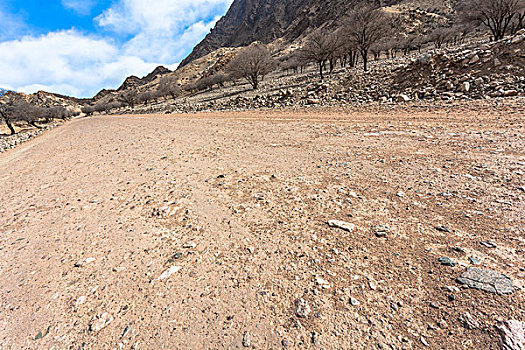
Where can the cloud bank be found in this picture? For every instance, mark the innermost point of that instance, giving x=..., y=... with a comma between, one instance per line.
x=135, y=37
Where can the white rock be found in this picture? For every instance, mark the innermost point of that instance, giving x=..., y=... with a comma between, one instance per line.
x=302, y=309
x=166, y=274
x=81, y=300
x=100, y=322
x=342, y=225
x=322, y=283
x=190, y=245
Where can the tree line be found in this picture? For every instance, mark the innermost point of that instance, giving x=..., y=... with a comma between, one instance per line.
x=14, y=108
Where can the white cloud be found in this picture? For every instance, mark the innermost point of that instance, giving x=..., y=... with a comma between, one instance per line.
x=66, y=62
x=82, y=7
x=73, y=63
x=166, y=30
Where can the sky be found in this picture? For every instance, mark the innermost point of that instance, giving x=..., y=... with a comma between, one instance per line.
x=78, y=47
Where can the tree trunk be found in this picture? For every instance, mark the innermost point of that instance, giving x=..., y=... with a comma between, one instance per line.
x=364, y=56
x=321, y=69
x=10, y=126
x=33, y=123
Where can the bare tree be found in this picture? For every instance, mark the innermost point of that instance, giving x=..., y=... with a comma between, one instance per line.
x=168, y=86
x=129, y=98
x=439, y=36
x=146, y=96
x=190, y=87
x=320, y=47
x=88, y=110
x=12, y=110
x=252, y=64
x=365, y=25
x=497, y=15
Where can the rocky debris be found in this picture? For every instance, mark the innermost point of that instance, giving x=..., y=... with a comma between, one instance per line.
x=84, y=262
x=486, y=280
x=12, y=141
x=302, y=308
x=346, y=226
x=99, y=322
x=246, y=341
x=354, y=302
x=443, y=229
x=322, y=283
x=41, y=335
x=382, y=230
x=491, y=70
x=167, y=274
x=445, y=261
x=189, y=245
x=512, y=335
x=165, y=211
x=468, y=321
x=488, y=244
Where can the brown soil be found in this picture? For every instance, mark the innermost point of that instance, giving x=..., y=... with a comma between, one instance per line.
x=240, y=202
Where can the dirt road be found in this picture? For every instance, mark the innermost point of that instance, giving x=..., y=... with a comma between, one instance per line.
x=203, y=232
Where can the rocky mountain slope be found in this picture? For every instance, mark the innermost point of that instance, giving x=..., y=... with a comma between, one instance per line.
x=269, y=21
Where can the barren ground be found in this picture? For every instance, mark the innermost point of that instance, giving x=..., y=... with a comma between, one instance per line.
x=94, y=212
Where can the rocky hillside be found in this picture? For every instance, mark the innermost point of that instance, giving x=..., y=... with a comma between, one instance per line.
x=134, y=82
x=270, y=21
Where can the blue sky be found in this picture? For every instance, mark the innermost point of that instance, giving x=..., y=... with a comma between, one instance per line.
x=78, y=47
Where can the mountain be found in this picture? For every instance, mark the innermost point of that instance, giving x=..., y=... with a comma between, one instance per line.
x=268, y=20
x=283, y=24
x=133, y=81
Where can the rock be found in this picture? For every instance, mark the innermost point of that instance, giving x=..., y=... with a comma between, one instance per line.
x=424, y=342
x=443, y=229
x=246, y=342
x=474, y=261
x=322, y=283
x=342, y=225
x=447, y=261
x=488, y=244
x=166, y=274
x=81, y=300
x=315, y=337
x=474, y=59
x=100, y=322
x=486, y=280
x=189, y=245
x=512, y=335
x=372, y=285
x=381, y=230
x=82, y=263
x=465, y=87
x=508, y=93
x=41, y=335
x=354, y=302
x=302, y=309
x=402, y=98
x=468, y=321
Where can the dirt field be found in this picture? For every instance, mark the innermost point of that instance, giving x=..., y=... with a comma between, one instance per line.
x=96, y=214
